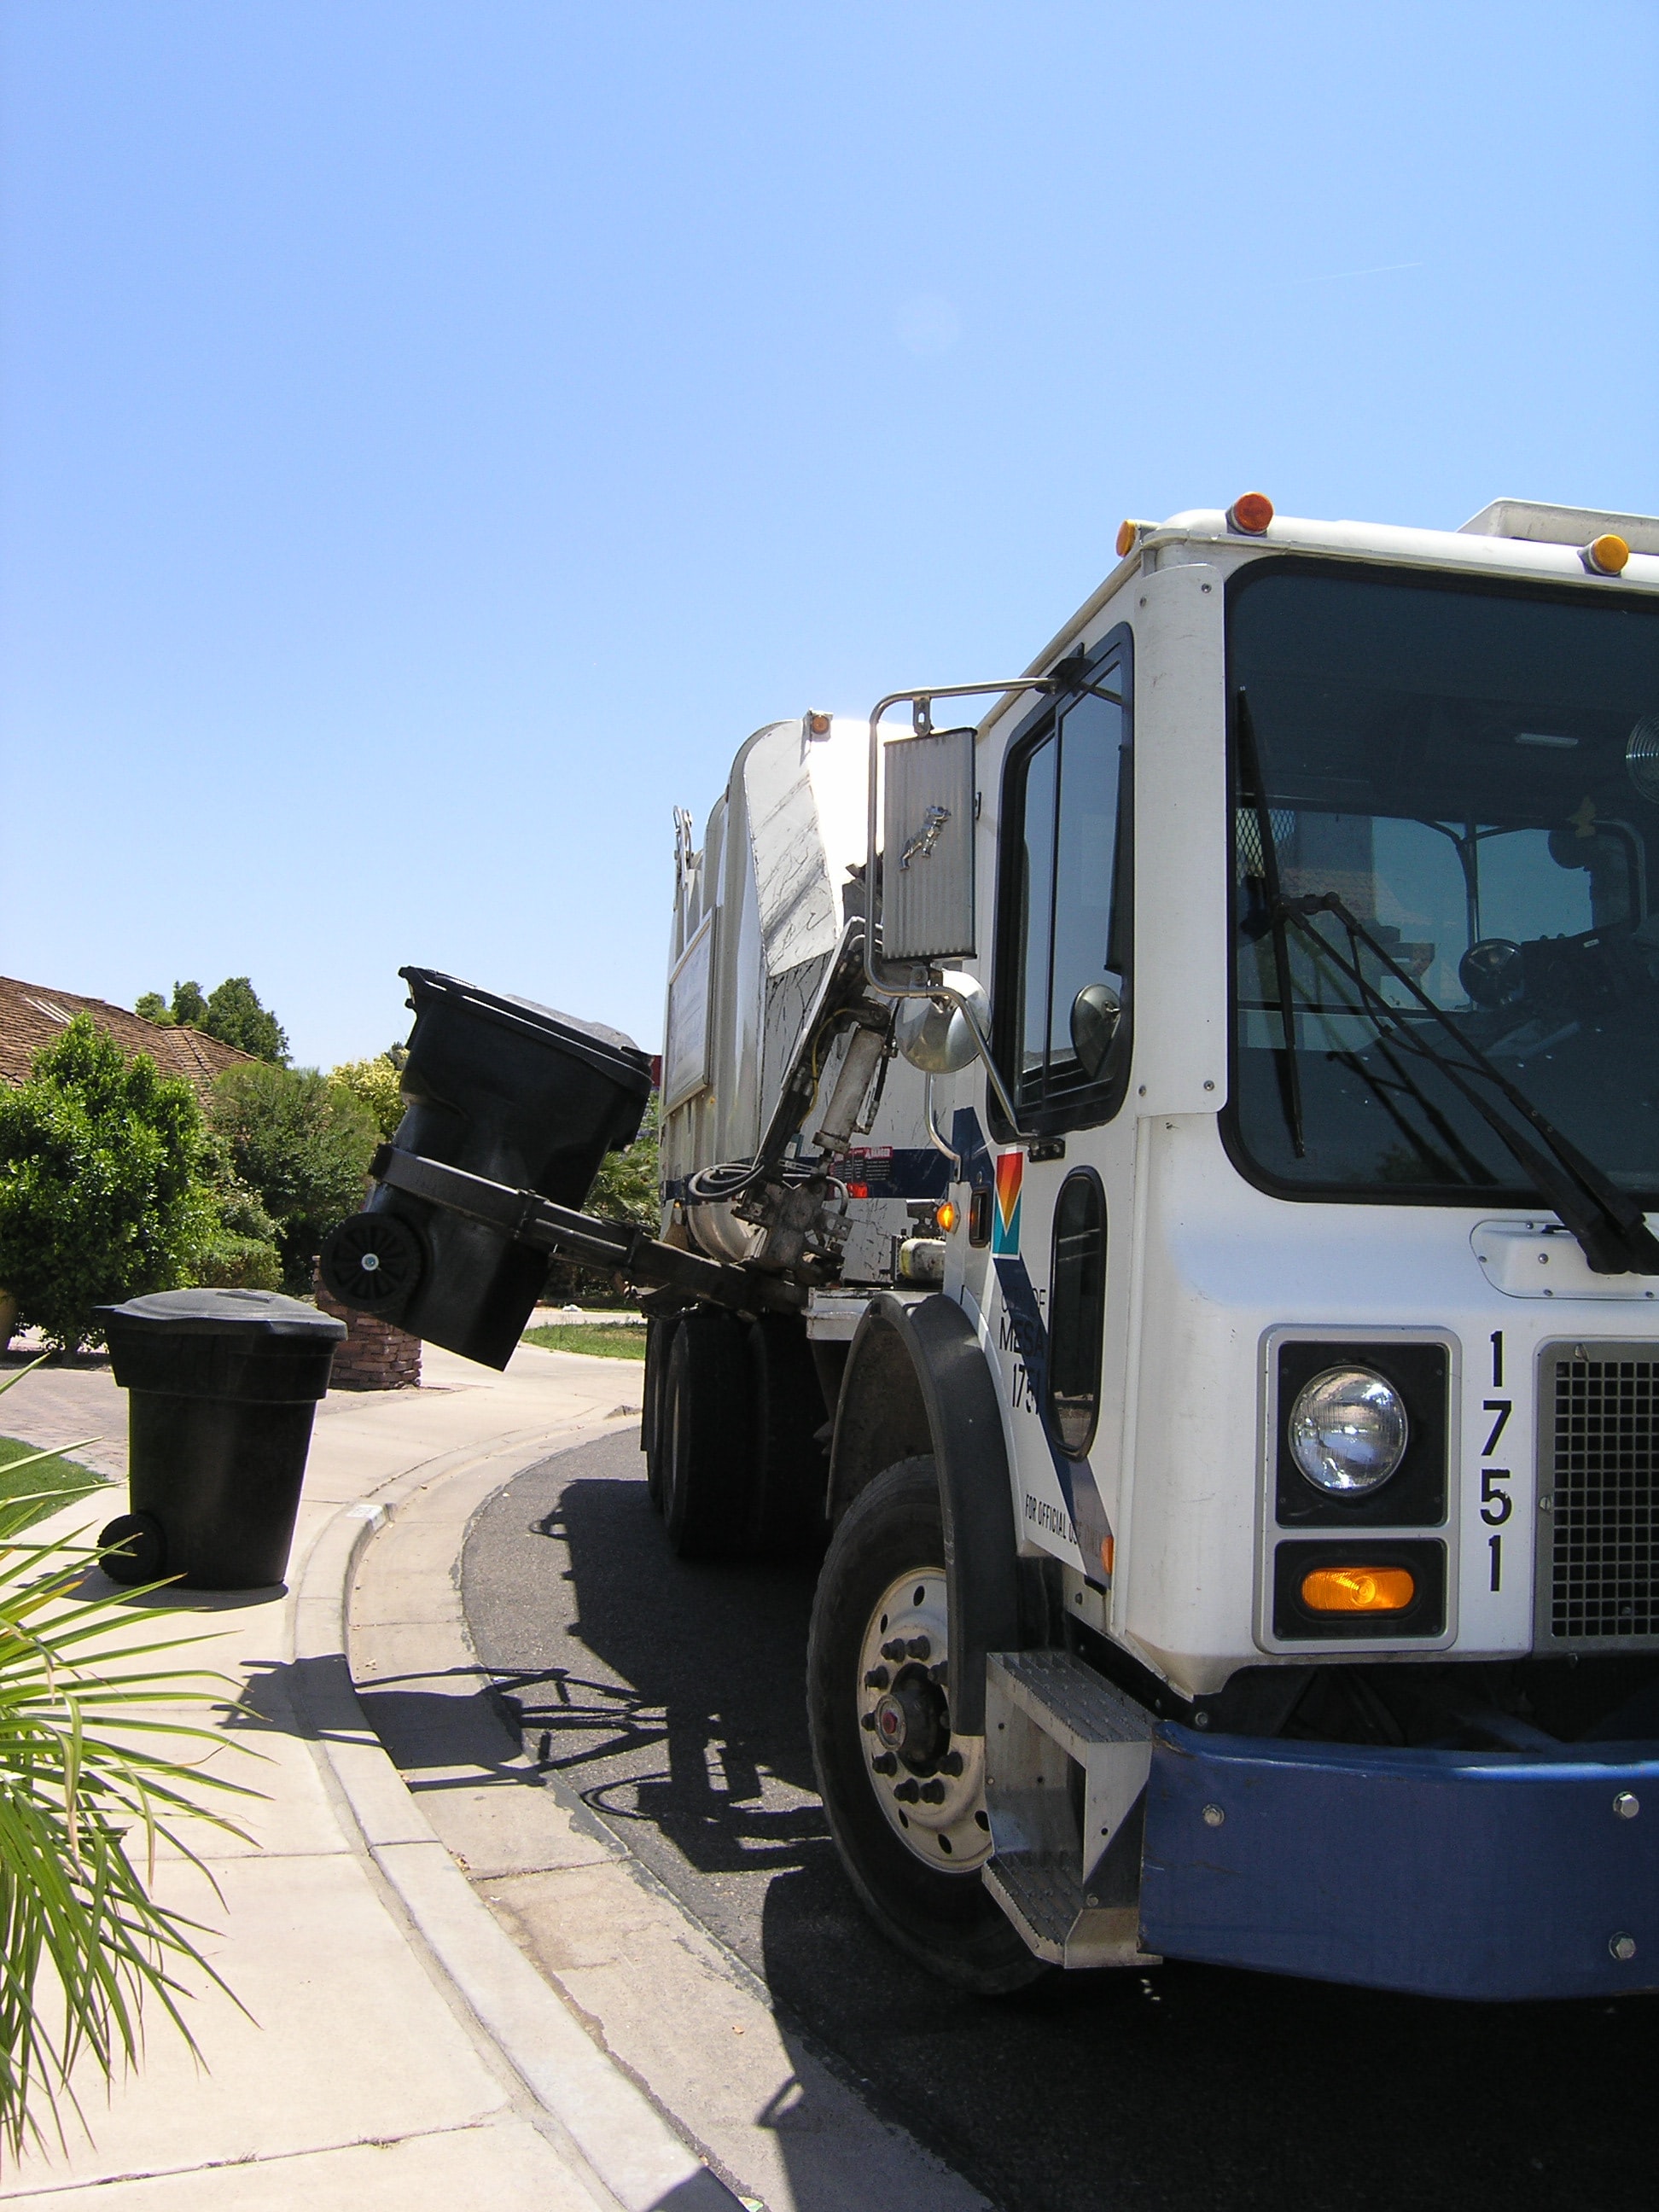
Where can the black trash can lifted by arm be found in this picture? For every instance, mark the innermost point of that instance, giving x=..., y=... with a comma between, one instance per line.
x=222, y=1389
x=514, y=1093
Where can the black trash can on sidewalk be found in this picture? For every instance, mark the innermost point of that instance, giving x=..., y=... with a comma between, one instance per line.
x=222, y=1387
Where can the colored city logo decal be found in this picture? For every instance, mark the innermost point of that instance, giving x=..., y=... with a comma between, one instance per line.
x=1004, y=1230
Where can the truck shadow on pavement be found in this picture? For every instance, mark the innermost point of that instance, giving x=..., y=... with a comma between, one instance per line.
x=666, y=1731
x=670, y=1698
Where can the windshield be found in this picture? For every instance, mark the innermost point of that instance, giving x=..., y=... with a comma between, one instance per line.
x=1475, y=774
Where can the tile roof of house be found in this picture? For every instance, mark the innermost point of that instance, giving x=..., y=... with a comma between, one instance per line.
x=32, y=1015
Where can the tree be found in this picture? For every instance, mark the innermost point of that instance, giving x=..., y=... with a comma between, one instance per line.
x=234, y=1016
x=100, y=1198
x=233, y=1013
x=373, y=1084
x=303, y=1145
x=624, y=1189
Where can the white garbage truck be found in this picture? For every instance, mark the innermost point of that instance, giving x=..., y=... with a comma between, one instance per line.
x=1157, y=1152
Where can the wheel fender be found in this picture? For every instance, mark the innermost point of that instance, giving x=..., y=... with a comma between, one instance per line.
x=917, y=1382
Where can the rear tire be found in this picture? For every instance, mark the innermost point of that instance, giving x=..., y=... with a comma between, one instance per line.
x=792, y=1468
x=659, y=1335
x=704, y=1438
x=940, y=1915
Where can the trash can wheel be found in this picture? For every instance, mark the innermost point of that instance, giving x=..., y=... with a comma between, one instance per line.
x=373, y=1261
x=141, y=1556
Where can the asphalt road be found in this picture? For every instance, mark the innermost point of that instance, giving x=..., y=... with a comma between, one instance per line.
x=670, y=1697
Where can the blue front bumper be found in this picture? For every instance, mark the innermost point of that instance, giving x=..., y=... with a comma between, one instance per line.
x=1489, y=1874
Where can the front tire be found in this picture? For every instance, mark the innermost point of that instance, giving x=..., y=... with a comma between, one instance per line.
x=910, y=1830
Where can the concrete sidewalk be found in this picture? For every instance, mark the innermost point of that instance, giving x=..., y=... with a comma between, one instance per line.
x=372, y=2071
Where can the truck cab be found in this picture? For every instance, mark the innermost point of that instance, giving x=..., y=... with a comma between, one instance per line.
x=1156, y=1186
x=1293, y=1209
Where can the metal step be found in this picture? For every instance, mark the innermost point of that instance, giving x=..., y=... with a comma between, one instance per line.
x=1046, y=1902
x=1070, y=1701
x=1066, y=1758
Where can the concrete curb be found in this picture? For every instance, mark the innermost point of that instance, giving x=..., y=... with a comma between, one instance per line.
x=630, y=2149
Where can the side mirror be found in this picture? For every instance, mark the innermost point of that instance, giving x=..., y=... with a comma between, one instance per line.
x=939, y=1040
x=1096, y=1012
x=928, y=852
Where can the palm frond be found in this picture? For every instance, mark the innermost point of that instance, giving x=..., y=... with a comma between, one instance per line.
x=84, y=1947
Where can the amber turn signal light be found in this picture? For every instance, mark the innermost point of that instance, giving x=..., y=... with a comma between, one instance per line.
x=1250, y=513
x=1358, y=1589
x=945, y=1216
x=1607, y=556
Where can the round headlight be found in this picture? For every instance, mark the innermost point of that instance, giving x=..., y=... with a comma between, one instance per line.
x=1348, y=1431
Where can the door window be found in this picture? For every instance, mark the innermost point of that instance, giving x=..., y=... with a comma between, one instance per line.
x=1063, y=981
x=1076, y=1311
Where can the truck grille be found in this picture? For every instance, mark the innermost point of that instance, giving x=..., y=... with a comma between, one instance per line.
x=1599, y=1462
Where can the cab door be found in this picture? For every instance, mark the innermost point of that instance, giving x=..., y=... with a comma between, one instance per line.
x=1055, y=1291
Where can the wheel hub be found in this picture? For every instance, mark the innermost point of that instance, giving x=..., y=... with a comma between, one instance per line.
x=929, y=1786
x=912, y=1720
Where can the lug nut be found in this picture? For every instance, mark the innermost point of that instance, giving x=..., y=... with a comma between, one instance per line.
x=894, y=1648
x=933, y=1793
x=877, y=1679
x=885, y=1763
x=919, y=1648
x=951, y=1764
x=908, y=1792
x=868, y=1721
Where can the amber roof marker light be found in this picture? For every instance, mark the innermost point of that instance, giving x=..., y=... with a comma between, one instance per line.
x=1605, y=556
x=1250, y=514
x=1129, y=535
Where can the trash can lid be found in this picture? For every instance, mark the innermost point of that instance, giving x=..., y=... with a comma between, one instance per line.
x=222, y=1313
x=592, y=1040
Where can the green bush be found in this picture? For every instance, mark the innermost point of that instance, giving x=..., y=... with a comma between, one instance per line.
x=239, y=1250
x=373, y=1084
x=99, y=1194
x=229, y=1262
x=302, y=1144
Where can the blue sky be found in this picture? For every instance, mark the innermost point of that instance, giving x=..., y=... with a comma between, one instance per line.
x=433, y=435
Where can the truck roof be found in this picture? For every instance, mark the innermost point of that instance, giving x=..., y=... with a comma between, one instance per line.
x=1513, y=538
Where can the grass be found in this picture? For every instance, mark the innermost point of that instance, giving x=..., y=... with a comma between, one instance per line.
x=599, y=1338
x=53, y=1482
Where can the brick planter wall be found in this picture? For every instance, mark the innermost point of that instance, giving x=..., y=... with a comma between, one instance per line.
x=375, y=1356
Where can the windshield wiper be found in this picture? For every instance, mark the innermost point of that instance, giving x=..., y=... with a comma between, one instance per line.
x=1611, y=1227
x=1250, y=758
